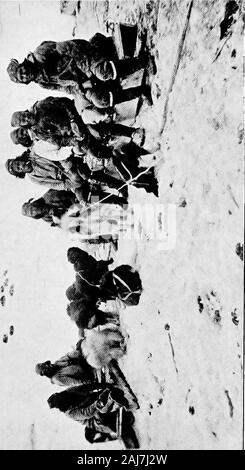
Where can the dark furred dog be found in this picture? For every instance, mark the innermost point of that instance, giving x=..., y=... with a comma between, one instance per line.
x=86, y=315
x=124, y=283
x=86, y=263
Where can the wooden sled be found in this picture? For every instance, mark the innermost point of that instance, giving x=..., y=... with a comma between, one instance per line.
x=103, y=376
x=114, y=375
x=129, y=43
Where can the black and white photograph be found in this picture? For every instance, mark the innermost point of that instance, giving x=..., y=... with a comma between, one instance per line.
x=121, y=227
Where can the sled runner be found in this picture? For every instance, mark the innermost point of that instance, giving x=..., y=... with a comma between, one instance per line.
x=129, y=43
x=113, y=374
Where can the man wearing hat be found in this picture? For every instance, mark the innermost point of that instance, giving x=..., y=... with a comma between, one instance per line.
x=48, y=173
x=56, y=121
x=79, y=66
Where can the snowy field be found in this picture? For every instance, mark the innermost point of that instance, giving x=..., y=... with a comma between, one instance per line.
x=184, y=347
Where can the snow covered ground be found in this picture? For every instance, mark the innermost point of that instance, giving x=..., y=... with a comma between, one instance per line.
x=184, y=351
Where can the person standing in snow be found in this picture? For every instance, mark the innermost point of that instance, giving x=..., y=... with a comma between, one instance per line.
x=46, y=173
x=69, y=174
x=50, y=207
x=80, y=66
x=56, y=121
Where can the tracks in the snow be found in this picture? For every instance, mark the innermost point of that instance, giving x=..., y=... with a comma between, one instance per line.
x=176, y=66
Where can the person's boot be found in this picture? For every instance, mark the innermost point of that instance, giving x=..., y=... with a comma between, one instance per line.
x=107, y=179
x=116, y=130
x=148, y=181
x=146, y=94
x=129, y=94
x=126, y=67
x=82, y=193
x=118, y=397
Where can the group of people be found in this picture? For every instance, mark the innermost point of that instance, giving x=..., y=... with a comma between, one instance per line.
x=77, y=151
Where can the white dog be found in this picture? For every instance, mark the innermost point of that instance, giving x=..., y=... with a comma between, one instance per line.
x=102, y=344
